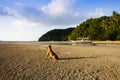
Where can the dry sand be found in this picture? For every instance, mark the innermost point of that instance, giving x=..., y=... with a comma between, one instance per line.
x=77, y=62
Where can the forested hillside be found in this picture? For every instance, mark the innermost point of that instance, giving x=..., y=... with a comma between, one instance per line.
x=56, y=35
x=103, y=28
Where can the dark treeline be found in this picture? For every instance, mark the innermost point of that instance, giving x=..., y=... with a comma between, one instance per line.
x=102, y=28
x=56, y=35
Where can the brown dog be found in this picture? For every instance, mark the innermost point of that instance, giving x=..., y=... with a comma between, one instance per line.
x=51, y=53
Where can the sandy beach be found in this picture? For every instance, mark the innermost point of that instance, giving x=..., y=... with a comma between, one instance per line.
x=77, y=62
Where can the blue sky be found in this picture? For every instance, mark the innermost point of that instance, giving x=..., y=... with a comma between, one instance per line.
x=27, y=20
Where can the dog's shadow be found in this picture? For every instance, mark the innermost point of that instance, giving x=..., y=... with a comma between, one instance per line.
x=76, y=58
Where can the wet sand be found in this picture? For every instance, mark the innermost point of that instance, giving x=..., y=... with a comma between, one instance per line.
x=77, y=62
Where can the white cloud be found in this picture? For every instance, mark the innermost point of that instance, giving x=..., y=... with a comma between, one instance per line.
x=58, y=7
x=24, y=23
x=56, y=13
x=97, y=13
x=59, y=13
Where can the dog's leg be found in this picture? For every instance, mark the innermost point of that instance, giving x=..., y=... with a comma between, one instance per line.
x=49, y=57
x=54, y=59
x=47, y=54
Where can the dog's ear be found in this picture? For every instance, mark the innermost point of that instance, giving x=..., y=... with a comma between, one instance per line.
x=49, y=45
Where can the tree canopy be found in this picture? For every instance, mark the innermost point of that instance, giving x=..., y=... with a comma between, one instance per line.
x=102, y=28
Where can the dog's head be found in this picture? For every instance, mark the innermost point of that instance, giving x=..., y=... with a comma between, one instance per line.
x=49, y=46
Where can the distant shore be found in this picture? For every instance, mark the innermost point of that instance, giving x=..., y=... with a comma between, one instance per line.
x=60, y=42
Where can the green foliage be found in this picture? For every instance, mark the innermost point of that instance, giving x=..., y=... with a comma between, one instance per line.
x=56, y=35
x=103, y=28
x=118, y=37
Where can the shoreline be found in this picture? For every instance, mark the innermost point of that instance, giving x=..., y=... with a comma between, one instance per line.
x=61, y=42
